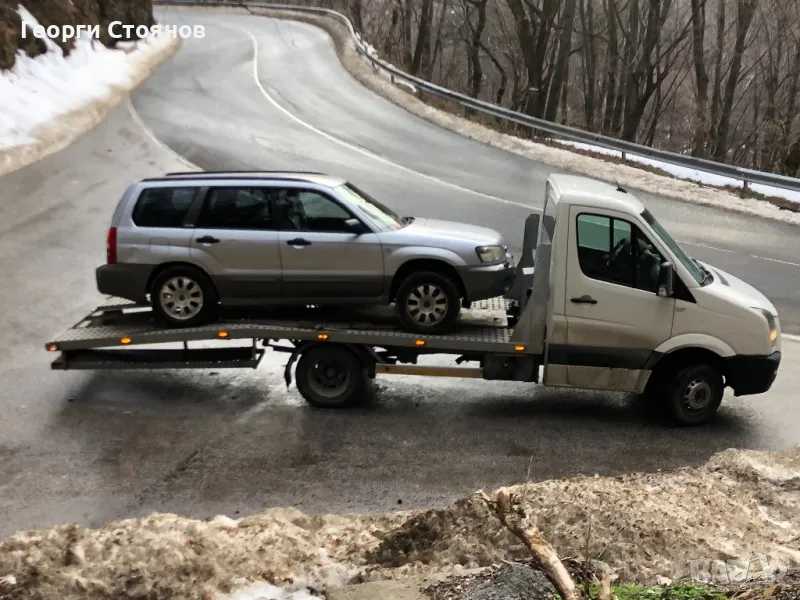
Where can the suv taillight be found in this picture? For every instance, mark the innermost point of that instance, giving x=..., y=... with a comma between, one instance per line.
x=111, y=246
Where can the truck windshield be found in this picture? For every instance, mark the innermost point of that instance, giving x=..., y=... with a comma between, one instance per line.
x=685, y=259
x=381, y=215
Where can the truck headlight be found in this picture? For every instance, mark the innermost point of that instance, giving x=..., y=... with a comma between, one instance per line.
x=490, y=254
x=773, y=329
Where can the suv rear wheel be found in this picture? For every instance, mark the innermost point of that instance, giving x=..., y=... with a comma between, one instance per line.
x=183, y=296
x=427, y=303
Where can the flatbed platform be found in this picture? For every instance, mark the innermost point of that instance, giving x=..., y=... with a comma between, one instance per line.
x=120, y=323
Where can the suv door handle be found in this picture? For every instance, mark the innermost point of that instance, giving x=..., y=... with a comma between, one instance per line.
x=585, y=299
x=298, y=242
x=207, y=239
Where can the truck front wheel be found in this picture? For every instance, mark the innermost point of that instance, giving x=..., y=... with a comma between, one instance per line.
x=330, y=377
x=693, y=394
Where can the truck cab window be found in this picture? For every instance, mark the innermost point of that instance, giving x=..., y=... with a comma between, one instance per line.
x=616, y=251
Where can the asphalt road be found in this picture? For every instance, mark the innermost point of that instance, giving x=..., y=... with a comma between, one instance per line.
x=88, y=447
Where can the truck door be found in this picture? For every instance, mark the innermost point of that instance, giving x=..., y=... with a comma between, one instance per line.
x=614, y=316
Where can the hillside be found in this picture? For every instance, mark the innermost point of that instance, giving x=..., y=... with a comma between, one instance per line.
x=65, y=12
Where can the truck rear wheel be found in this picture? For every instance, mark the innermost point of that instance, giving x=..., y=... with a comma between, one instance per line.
x=693, y=394
x=330, y=376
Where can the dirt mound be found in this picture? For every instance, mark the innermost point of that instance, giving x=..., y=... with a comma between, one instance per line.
x=741, y=510
x=739, y=514
x=66, y=12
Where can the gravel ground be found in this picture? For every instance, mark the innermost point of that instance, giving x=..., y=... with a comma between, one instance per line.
x=736, y=514
x=507, y=582
x=523, y=582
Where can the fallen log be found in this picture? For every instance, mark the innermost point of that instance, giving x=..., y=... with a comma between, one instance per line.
x=509, y=510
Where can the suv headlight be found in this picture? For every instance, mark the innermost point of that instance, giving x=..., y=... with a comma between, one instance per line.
x=773, y=329
x=490, y=254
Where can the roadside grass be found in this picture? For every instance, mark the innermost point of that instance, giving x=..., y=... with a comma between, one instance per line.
x=677, y=591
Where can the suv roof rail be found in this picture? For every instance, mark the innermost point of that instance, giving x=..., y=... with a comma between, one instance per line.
x=234, y=172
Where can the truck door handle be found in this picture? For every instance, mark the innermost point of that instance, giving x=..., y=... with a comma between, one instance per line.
x=298, y=242
x=585, y=299
x=207, y=239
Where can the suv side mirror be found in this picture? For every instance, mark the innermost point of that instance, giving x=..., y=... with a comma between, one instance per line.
x=354, y=226
x=666, y=278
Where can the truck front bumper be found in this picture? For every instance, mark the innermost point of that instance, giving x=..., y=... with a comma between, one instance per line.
x=753, y=374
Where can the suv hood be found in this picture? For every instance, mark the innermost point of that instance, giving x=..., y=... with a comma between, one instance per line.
x=739, y=291
x=441, y=230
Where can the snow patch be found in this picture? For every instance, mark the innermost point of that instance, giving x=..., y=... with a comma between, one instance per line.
x=45, y=101
x=266, y=591
x=687, y=173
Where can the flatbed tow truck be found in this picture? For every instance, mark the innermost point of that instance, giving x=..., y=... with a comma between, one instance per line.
x=582, y=313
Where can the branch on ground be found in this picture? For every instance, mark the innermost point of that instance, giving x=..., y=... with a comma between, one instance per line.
x=509, y=510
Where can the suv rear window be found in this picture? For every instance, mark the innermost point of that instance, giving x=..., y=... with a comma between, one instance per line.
x=163, y=206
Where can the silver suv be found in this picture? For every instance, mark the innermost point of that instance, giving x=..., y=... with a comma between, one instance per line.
x=189, y=242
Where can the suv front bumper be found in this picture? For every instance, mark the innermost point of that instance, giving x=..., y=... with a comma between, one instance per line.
x=488, y=281
x=753, y=374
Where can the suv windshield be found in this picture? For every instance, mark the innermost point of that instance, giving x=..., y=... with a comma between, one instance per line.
x=381, y=215
x=700, y=274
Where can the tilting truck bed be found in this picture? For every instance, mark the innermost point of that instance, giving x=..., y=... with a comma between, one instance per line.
x=105, y=338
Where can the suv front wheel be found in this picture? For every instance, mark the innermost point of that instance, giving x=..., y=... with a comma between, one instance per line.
x=183, y=296
x=427, y=303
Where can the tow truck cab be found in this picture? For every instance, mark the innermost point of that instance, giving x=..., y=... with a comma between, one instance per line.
x=630, y=310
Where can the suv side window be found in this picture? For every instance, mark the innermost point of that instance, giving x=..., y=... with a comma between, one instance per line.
x=236, y=208
x=163, y=206
x=617, y=251
x=307, y=210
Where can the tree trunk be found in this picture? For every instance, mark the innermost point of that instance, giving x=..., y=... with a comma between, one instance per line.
x=423, y=45
x=716, y=97
x=476, y=79
x=629, y=93
x=407, y=58
x=612, y=69
x=701, y=77
x=589, y=62
x=567, y=24
x=437, y=45
x=390, y=42
x=526, y=43
x=744, y=18
x=358, y=17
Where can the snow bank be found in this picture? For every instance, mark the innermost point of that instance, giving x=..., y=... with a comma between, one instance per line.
x=49, y=100
x=267, y=591
x=687, y=173
x=737, y=512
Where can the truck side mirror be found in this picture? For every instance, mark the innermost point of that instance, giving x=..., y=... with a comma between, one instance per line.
x=666, y=278
x=354, y=226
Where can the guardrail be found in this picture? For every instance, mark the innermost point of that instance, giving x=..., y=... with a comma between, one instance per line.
x=746, y=176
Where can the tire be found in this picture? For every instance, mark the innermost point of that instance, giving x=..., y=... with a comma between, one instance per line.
x=693, y=395
x=330, y=377
x=434, y=288
x=198, y=303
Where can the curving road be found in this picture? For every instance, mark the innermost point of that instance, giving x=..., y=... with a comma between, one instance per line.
x=88, y=447
x=304, y=111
